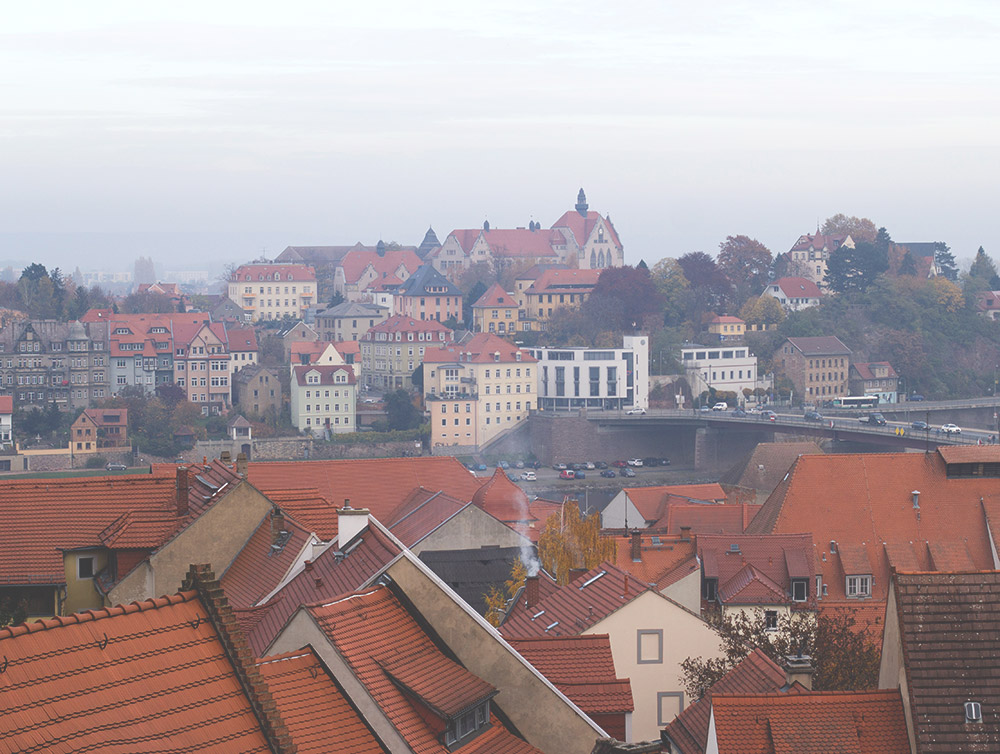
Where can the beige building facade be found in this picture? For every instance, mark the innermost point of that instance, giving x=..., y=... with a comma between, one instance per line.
x=273, y=291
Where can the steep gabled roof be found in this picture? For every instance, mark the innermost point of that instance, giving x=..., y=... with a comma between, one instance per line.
x=766, y=464
x=756, y=674
x=729, y=518
x=481, y=348
x=853, y=722
x=583, y=668
x=948, y=624
x=264, y=560
x=427, y=281
x=796, y=287
x=572, y=609
x=356, y=261
x=864, y=369
x=402, y=669
x=495, y=296
x=317, y=713
x=123, y=679
x=659, y=554
x=581, y=227
x=521, y=242
x=758, y=569
x=653, y=502
x=567, y=281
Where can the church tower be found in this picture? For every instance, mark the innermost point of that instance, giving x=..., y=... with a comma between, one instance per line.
x=581, y=203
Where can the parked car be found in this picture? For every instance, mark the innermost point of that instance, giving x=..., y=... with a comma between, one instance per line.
x=626, y=472
x=580, y=475
x=619, y=464
x=529, y=476
x=650, y=461
x=635, y=411
x=559, y=467
x=635, y=462
x=951, y=429
x=769, y=415
x=608, y=473
x=813, y=416
x=481, y=467
x=601, y=464
x=504, y=465
x=739, y=411
x=519, y=465
x=915, y=397
x=921, y=425
x=590, y=465
x=115, y=467
x=567, y=474
x=720, y=407
x=705, y=408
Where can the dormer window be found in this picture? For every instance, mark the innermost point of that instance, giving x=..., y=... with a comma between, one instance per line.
x=464, y=727
x=859, y=586
x=710, y=590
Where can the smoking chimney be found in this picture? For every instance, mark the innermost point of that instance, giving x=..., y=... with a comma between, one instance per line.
x=531, y=591
x=181, y=498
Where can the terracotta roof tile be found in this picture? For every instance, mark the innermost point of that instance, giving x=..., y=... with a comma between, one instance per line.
x=481, y=348
x=421, y=513
x=581, y=226
x=861, y=722
x=652, y=502
x=758, y=569
x=731, y=518
x=583, y=668
x=356, y=261
x=495, y=296
x=264, y=560
x=796, y=287
x=766, y=464
x=756, y=674
x=379, y=639
x=555, y=281
x=124, y=679
x=866, y=501
x=572, y=609
x=948, y=628
x=659, y=554
x=864, y=369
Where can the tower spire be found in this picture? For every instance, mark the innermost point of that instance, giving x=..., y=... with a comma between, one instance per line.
x=581, y=203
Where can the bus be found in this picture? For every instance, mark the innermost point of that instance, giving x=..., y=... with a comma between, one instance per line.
x=856, y=401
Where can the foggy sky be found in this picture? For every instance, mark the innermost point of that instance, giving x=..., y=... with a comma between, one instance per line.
x=198, y=131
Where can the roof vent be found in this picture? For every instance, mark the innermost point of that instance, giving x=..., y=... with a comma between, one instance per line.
x=916, y=499
x=734, y=547
x=973, y=712
x=833, y=547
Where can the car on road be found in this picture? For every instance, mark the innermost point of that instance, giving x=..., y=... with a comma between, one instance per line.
x=529, y=476
x=873, y=418
x=635, y=412
x=769, y=415
x=920, y=425
x=619, y=464
x=567, y=474
x=705, y=408
x=626, y=472
x=720, y=407
x=635, y=462
x=608, y=473
x=951, y=429
x=739, y=411
x=115, y=467
x=590, y=466
x=813, y=416
x=601, y=464
x=559, y=467
x=915, y=397
x=580, y=475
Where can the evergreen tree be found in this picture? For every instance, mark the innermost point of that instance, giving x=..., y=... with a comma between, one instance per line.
x=909, y=265
x=984, y=269
x=945, y=261
x=855, y=269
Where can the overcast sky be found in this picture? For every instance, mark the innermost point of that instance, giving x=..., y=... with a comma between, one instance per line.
x=210, y=130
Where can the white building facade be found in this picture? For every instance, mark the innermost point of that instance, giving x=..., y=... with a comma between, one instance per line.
x=599, y=378
x=728, y=368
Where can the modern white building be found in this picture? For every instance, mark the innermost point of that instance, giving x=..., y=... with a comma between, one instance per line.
x=725, y=368
x=606, y=378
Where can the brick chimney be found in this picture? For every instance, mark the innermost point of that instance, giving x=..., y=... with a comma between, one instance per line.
x=181, y=496
x=636, y=546
x=241, y=465
x=799, y=668
x=277, y=525
x=226, y=457
x=685, y=534
x=531, y=591
x=576, y=573
x=308, y=565
x=350, y=523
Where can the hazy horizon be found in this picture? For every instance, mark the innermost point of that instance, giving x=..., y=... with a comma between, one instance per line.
x=202, y=135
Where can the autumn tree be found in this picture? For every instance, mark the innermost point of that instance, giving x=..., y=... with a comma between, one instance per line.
x=499, y=597
x=762, y=310
x=710, y=287
x=632, y=290
x=12, y=611
x=570, y=540
x=669, y=279
x=845, y=654
x=745, y=262
x=860, y=229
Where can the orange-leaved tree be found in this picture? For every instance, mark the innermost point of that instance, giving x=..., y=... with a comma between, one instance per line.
x=497, y=598
x=570, y=540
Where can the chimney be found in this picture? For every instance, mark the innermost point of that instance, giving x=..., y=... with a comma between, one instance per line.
x=226, y=457
x=181, y=499
x=277, y=525
x=531, y=591
x=241, y=465
x=685, y=534
x=636, y=547
x=576, y=573
x=308, y=565
x=799, y=668
x=350, y=523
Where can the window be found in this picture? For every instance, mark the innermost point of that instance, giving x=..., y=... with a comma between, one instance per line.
x=770, y=620
x=85, y=566
x=710, y=590
x=800, y=590
x=859, y=586
x=649, y=646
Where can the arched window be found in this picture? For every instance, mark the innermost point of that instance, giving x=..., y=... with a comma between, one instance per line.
x=593, y=260
x=600, y=259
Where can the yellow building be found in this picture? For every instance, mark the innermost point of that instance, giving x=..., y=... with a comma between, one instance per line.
x=273, y=291
x=495, y=312
x=553, y=290
x=726, y=327
x=478, y=389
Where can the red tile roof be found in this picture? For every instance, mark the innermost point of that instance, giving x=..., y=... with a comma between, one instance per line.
x=863, y=502
x=421, y=513
x=948, y=625
x=379, y=484
x=403, y=324
x=355, y=262
x=760, y=569
x=583, y=668
x=795, y=287
x=572, y=609
x=766, y=464
x=756, y=674
x=521, y=242
x=865, y=722
x=125, y=679
x=570, y=281
x=582, y=227
x=652, y=502
x=6, y=404
x=388, y=651
x=334, y=573
x=660, y=554
x=481, y=348
x=296, y=273
x=264, y=560
x=707, y=519
x=318, y=715
x=495, y=295
x=507, y=502
x=818, y=242
x=241, y=339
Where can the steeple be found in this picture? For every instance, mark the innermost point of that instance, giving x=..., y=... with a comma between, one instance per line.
x=380, y=248
x=581, y=203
